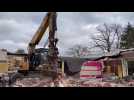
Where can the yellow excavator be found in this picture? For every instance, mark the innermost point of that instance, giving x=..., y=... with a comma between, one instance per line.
x=46, y=58
x=36, y=55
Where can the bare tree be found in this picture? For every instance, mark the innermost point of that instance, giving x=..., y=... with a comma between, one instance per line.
x=108, y=37
x=118, y=32
x=78, y=51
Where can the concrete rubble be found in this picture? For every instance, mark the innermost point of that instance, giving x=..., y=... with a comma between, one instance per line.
x=38, y=80
x=70, y=82
x=31, y=82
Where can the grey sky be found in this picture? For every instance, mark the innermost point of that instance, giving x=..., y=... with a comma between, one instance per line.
x=17, y=28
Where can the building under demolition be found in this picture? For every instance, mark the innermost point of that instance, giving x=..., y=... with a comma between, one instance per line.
x=120, y=63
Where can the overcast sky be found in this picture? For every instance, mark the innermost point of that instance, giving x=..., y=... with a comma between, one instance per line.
x=17, y=28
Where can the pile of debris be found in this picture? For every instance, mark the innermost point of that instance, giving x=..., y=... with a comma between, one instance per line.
x=72, y=82
x=36, y=82
x=101, y=84
x=31, y=82
x=45, y=82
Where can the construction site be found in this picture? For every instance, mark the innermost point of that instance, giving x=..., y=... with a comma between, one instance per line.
x=44, y=67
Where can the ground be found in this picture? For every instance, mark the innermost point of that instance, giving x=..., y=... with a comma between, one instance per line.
x=36, y=80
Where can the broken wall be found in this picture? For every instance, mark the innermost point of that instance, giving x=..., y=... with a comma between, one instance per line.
x=113, y=66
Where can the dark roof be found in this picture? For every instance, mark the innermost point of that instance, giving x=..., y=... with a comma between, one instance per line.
x=112, y=56
x=127, y=54
x=16, y=54
x=126, y=50
x=118, y=53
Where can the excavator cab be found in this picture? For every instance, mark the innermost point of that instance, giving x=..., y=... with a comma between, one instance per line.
x=37, y=58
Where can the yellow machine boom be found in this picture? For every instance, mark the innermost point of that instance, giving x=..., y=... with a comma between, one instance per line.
x=49, y=21
x=39, y=33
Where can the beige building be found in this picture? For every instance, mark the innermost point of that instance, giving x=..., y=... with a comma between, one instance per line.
x=17, y=61
x=3, y=61
x=11, y=62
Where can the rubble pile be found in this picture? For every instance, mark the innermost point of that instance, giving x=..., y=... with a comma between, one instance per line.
x=46, y=82
x=68, y=83
x=101, y=84
x=131, y=83
x=98, y=83
x=87, y=83
x=25, y=83
x=31, y=82
x=71, y=82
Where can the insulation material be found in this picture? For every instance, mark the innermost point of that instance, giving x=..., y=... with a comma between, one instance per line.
x=91, y=69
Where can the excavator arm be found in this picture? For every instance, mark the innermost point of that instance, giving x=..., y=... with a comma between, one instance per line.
x=39, y=33
x=49, y=21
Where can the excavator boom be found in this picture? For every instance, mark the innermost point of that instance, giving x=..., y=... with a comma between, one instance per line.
x=33, y=57
x=39, y=33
